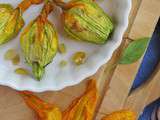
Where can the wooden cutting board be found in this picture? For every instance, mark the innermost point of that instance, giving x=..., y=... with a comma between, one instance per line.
x=114, y=83
x=143, y=19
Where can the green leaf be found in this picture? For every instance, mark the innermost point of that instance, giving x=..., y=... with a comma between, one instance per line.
x=134, y=51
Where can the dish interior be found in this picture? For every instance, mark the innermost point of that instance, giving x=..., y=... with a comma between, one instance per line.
x=55, y=77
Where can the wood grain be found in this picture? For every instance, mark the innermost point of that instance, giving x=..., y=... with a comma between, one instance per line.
x=146, y=19
x=135, y=7
x=145, y=94
x=124, y=75
x=119, y=88
x=118, y=80
x=108, y=105
x=99, y=116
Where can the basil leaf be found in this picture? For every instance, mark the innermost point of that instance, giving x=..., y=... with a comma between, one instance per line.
x=134, y=51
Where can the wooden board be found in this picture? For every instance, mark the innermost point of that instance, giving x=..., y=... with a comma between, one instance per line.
x=143, y=95
x=116, y=97
x=112, y=98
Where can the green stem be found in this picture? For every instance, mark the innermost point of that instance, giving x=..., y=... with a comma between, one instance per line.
x=37, y=70
x=47, y=9
x=25, y=4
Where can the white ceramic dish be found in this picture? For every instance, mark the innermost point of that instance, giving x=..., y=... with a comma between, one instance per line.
x=57, y=78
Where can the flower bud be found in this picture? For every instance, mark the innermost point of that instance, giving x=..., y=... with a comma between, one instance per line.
x=11, y=21
x=85, y=20
x=39, y=42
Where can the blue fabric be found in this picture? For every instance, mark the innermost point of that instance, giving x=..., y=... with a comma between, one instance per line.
x=149, y=64
x=148, y=110
x=150, y=60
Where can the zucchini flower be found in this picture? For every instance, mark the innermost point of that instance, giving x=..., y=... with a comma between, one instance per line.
x=85, y=20
x=121, y=115
x=44, y=110
x=11, y=20
x=39, y=42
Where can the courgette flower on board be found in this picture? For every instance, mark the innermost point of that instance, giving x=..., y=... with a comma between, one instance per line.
x=44, y=110
x=121, y=115
x=83, y=108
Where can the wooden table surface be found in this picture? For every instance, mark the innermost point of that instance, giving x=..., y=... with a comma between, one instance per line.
x=113, y=83
x=143, y=19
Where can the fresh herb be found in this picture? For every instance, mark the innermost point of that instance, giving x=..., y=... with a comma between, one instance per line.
x=134, y=51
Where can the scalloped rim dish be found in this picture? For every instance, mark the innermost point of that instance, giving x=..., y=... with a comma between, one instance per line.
x=102, y=60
